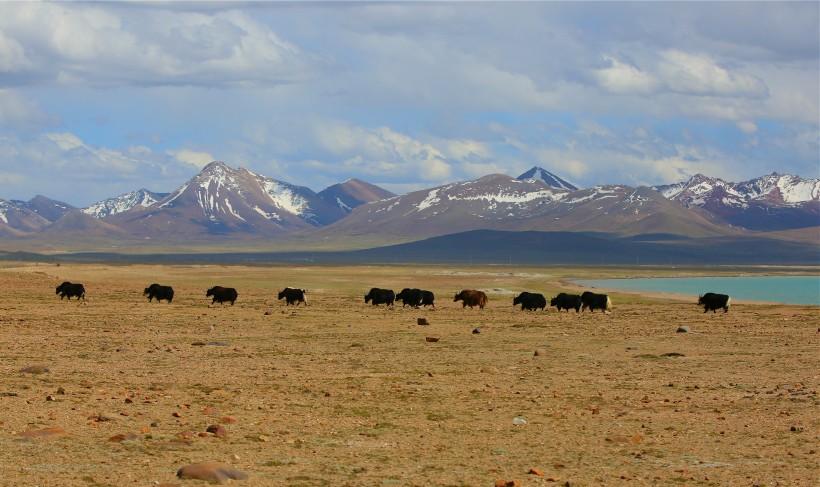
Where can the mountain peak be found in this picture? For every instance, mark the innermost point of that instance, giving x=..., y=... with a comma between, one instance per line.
x=214, y=166
x=538, y=174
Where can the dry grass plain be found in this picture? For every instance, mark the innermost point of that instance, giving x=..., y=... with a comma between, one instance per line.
x=341, y=393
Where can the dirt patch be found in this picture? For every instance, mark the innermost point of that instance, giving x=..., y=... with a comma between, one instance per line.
x=343, y=393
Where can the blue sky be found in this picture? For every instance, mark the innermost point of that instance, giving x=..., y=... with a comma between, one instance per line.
x=100, y=99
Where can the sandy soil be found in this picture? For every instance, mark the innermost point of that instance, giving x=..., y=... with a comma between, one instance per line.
x=342, y=393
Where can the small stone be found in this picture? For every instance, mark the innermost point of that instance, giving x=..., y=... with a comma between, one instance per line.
x=119, y=438
x=177, y=414
x=50, y=398
x=61, y=391
x=217, y=430
x=537, y=471
x=684, y=329
x=128, y=400
x=209, y=410
x=211, y=471
x=423, y=322
x=476, y=331
x=228, y=420
x=433, y=338
x=540, y=352
x=36, y=369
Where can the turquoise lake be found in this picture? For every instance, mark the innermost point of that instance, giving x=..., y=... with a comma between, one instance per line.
x=776, y=289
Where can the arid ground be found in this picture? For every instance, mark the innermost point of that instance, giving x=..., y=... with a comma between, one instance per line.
x=119, y=391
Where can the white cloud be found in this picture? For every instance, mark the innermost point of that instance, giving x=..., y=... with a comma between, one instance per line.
x=197, y=159
x=108, y=44
x=747, y=127
x=699, y=74
x=622, y=78
x=381, y=149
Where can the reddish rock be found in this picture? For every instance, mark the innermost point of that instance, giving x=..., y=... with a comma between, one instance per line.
x=537, y=471
x=218, y=430
x=209, y=410
x=423, y=322
x=44, y=433
x=119, y=438
x=228, y=420
x=540, y=352
x=433, y=338
x=211, y=471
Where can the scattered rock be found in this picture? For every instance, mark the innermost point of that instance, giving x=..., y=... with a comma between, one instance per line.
x=684, y=329
x=423, y=322
x=44, y=433
x=61, y=391
x=119, y=438
x=508, y=483
x=537, y=471
x=219, y=344
x=268, y=313
x=433, y=338
x=209, y=410
x=476, y=331
x=212, y=472
x=217, y=430
x=232, y=420
x=50, y=398
x=9, y=394
x=519, y=420
x=36, y=369
x=540, y=352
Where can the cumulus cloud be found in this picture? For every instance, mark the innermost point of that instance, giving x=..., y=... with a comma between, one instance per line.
x=109, y=45
x=699, y=74
x=678, y=72
x=623, y=78
x=382, y=149
x=197, y=159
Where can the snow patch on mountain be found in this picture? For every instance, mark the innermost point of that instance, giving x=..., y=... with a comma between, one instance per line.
x=141, y=198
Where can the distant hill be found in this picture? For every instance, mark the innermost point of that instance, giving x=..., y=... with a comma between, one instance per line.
x=353, y=193
x=499, y=202
x=511, y=248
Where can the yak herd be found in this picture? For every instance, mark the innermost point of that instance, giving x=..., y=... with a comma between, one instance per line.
x=415, y=298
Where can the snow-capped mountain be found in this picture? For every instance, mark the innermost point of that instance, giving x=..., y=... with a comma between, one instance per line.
x=537, y=174
x=142, y=198
x=16, y=219
x=353, y=193
x=47, y=208
x=500, y=202
x=222, y=200
x=772, y=202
